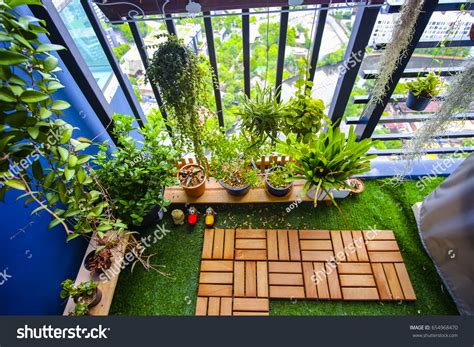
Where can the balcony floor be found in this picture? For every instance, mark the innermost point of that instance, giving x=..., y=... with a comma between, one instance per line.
x=381, y=206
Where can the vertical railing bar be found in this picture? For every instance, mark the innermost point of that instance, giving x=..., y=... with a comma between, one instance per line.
x=246, y=49
x=76, y=65
x=360, y=35
x=317, y=39
x=135, y=30
x=212, y=58
x=281, y=51
x=372, y=113
x=123, y=81
x=170, y=24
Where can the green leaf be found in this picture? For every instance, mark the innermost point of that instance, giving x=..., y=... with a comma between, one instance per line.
x=11, y=58
x=16, y=184
x=45, y=113
x=66, y=135
x=72, y=236
x=50, y=63
x=63, y=153
x=37, y=170
x=6, y=95
x=33, y=96
x=4, y=141
x=69, y=173
x=33, y=131
x=48, y=47
x=14, y=3
x=81, y=175
x=54, y=85
x=72, y=161
x=81, y=146
x=60, y=105
x=54, y=223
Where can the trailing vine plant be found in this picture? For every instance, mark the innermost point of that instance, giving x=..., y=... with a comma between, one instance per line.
x=396, y=49
x=182, y=77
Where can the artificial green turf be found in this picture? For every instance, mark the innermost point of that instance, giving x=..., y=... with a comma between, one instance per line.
x=381, y=206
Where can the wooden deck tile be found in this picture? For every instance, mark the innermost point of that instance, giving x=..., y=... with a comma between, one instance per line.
x=316, y=255
x=217, y=265
x=226, y=307
x=262, y=279
x=216, y=277
x=381, y=281
x=239, y=278
x=314, y=235
x=207, y=244
x=250, y=278
x=287, y=292
x=333, y=284
x=251, y=244
x=218, y=248
x=392, y=279
x=382, y=245
x=357, y=281
x=294, y=245
x=309, y=283
x=354, y=268
x=229, y=244
x=286, y=279
x=251, y=305
x=378, y=235
x=283, y=245
x=284, y=267
x=272, y=244
x=250, y=254
x=405, y=282
x=250, y=234
x=201, y=306
x=241, y=269
x=214, y=306
x=321, y=280
x=349, y=293
x=349, y=247
x=385, y=257
x=215, y=290
x=359, y=242
x=316, y=245
x=338, y=246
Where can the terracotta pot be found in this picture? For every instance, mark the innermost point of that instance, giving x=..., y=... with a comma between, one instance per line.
x=358, y=185
x=198, y=190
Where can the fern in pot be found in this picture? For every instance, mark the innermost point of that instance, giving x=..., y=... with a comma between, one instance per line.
x=422, y=90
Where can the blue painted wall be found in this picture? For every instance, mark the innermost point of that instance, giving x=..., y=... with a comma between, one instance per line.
x=33, y=259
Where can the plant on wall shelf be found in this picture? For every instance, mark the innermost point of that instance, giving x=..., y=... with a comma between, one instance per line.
x=136, y=176
x=422, y=90
x=183, y=80
x=304, y=114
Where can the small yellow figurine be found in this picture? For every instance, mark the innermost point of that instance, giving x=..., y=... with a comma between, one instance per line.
x=209, y=220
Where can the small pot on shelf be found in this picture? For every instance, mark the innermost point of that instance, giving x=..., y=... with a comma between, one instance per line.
x=104, y=258
x=193, y=179
x=276, y=191
x=236, y=191
x=92, y=300
x=417, y=103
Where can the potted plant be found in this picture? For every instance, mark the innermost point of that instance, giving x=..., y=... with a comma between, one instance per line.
x=279, y=180
x=192, y=178
x=137, y=173
x=357, y=185
x=328, y=160
x=238, y=177
x=85, y=293
x=422, y=90
x=183, y=78
x=304, y=114
x=261, y=116
x=80, y=310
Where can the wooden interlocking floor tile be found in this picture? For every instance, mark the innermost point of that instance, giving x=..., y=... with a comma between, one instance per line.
x=242, y=269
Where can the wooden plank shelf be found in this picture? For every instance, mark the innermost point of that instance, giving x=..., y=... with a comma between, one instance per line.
x=216, y=194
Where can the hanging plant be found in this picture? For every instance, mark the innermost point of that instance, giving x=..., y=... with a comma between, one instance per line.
x=422, y=90
x=396, y=49
x=457, y=100
x=183, y=80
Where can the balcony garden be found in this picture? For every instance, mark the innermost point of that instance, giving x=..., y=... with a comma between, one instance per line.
x=155, y=199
